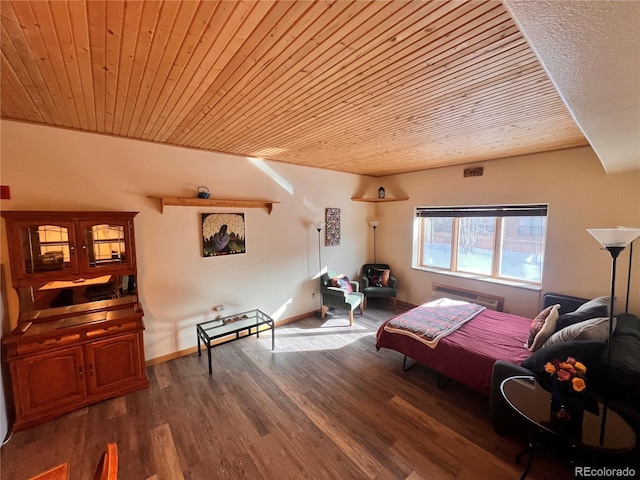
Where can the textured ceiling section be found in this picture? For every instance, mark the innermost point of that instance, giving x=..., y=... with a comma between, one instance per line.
x=591, y=50
x=368, y=87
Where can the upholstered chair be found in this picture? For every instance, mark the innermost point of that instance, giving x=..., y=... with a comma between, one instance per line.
x=377, y=285
x=339, y=296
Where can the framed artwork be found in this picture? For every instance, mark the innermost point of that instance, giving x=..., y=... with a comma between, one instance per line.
x=222, y=234
x=333, y=227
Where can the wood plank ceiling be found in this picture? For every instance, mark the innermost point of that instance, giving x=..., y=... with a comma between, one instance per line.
x=367, y=87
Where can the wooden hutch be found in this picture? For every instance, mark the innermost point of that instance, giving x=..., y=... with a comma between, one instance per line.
x=79, y=338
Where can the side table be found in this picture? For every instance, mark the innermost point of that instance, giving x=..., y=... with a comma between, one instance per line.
x=248, y=322
x=602, y=429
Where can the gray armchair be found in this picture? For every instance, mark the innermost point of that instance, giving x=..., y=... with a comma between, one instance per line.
x=372, y=290
x=339, y=297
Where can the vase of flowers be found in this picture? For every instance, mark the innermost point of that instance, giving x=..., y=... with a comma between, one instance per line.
x=567, y=396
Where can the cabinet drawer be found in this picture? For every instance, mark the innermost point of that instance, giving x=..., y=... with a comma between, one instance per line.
x=47, y=343
x=113, y=328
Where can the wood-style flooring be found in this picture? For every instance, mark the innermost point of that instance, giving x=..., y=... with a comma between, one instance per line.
x=324, y=405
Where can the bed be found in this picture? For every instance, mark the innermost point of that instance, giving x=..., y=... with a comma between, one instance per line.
x=468, y=353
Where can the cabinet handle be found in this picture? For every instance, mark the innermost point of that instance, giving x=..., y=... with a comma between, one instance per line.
x=80, y=371
x=91, y=369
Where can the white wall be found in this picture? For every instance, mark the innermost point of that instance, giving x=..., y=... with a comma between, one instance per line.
x=580, y=196
x=56, y=169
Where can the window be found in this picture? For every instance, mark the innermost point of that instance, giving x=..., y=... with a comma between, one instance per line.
x=501, y=242
x=531, y=226
x=54, y=242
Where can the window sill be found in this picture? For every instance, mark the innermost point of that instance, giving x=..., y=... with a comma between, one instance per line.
x=470, y=276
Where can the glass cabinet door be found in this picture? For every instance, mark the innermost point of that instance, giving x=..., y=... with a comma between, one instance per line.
x=47, y=248
x=106, y=245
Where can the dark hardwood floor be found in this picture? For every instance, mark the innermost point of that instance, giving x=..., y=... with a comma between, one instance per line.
x=324, y=405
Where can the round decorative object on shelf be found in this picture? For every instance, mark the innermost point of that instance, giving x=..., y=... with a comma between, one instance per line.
x=381, y=192
x=203, y=192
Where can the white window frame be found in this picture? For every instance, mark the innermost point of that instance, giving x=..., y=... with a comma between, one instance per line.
x=500, y=212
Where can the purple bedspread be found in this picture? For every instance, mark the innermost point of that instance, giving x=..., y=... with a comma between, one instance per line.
x=468, y=354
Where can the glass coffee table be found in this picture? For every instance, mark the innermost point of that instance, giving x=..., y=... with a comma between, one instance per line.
x=248, y=322
x=601, y=429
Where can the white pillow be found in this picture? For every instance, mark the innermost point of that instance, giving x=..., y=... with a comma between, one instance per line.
x=596, y=330
x=547, y=329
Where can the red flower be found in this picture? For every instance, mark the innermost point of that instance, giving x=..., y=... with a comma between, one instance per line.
x=563, y=375
x=568, y=371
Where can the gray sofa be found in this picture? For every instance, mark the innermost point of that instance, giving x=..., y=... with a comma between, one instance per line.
x=618, y=384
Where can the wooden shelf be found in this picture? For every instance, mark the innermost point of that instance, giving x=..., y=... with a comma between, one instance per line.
x=213, y=202
x=386, y=199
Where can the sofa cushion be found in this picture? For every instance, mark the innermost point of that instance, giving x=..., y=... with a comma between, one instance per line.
x=595, y=302
x=596, y=329
x=582, y=314
x=586, y=352
x=622, y=379
x=627, y=325
x=625, y=354
x=542, y=327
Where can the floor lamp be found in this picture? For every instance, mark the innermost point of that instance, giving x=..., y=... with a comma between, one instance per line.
x=626, y=305
x=614, y=240
x=318, y=226
x=374, y=224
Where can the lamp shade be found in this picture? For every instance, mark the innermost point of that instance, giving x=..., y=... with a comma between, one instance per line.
x=318, y=225
x=615, y=237
x=374, y=223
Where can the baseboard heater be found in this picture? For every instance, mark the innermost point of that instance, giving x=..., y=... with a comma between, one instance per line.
x=492, y=302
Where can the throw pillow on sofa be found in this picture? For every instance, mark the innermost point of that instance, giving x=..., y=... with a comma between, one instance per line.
x=595, y=302
x=596, y=329
x=581, y=314
x=542, y=327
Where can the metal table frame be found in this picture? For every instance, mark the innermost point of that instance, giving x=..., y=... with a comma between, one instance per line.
x=233, y=324
x=606, y=419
